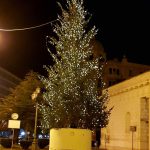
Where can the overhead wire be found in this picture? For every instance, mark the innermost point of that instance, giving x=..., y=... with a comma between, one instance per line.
x=27, y=28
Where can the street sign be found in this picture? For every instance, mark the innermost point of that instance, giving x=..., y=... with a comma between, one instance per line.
x=133, y=128
x=15, y=124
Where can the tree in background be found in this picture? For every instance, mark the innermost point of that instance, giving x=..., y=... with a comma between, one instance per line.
x=19, y=101
x=72, y=97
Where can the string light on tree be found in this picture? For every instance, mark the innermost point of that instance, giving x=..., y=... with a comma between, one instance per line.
x=72, y=95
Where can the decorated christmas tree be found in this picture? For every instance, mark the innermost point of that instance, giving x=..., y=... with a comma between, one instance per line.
x=72, y=96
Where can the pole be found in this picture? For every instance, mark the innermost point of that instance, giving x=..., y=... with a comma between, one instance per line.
x=132, y=140
x=0, y=145
x=34, y=96
x=105, y=141
x=34, y=143
x=12, y=139
x=35, y=124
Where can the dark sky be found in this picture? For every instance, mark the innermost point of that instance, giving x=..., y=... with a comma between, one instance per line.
x=123, y=30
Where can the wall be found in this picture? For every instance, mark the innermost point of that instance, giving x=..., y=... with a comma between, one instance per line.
x=126, y=97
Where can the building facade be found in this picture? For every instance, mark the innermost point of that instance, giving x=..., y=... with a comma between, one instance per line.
x=7, y=81
x=129, y=126
x=116, y=71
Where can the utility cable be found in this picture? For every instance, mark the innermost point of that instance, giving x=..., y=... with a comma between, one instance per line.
x=27, y=28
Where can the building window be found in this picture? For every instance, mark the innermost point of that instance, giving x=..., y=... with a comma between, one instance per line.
x=118, y=72
x=130, y=72
x=127, y=122
x=110, y=70
x=114, y=70
x=110, y=83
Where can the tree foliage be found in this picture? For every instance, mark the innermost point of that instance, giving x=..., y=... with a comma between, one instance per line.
x=19, y=101
x=72, y=97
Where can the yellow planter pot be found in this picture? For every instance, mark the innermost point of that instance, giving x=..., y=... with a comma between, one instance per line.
x=70, y=139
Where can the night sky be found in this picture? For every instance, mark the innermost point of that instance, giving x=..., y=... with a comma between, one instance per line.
x=123, y=30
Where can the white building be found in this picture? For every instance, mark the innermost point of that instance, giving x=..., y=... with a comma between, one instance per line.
x=129, y=120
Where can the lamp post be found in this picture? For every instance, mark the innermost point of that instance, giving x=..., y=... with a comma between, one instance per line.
x=34, y=96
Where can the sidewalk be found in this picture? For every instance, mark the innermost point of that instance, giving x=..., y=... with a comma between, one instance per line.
x=18, y=147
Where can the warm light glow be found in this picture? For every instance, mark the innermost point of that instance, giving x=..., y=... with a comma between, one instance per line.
x=1, y=38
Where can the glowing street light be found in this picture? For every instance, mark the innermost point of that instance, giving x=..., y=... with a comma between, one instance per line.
x=34, y=96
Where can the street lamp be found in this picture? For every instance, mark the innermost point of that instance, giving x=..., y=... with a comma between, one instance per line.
x=34, y=96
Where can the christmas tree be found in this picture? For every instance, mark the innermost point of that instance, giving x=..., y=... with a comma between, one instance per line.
x=72, y=97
